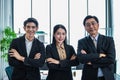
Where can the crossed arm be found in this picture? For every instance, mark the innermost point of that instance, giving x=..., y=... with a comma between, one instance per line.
x=15, y=54
x=101, y=55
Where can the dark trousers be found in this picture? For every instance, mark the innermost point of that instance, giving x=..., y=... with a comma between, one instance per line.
x=101, y=78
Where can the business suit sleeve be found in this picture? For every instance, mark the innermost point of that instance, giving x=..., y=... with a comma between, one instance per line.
x=85, y=58
x=67, y=62
x=50, y=55
x=64, y=64
x=109, y=50
x=29, y=61
x=36, y=62
x=11, y=60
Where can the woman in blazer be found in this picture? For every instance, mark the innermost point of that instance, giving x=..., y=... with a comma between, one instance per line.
x=27, y=53
x=60, y=56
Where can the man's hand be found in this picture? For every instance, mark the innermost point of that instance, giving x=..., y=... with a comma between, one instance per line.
x=102, y=55
x=37, y=56
x=89, y=63
x=15, y=54
x=83, y=51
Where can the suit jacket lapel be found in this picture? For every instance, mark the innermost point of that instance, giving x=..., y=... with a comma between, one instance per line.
x=33, y=48
x=55, y=52
x=23, y=45
x=91, y=44
x=99, y=43
x=66, y=50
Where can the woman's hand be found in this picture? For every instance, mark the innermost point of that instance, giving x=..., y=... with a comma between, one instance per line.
x=51, y=60
x=73, y=57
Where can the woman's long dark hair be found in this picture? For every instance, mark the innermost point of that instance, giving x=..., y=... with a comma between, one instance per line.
x=55, y=30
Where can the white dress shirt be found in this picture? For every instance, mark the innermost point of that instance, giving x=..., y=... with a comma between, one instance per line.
x=28, y=46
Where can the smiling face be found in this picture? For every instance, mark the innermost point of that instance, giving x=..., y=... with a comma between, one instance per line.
x=60, y=35
x=30, y=29
x=91, y=26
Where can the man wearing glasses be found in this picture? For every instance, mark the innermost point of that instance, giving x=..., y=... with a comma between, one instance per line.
x=96, y=52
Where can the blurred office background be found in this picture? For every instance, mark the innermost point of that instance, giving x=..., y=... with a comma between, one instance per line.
x=67, y=12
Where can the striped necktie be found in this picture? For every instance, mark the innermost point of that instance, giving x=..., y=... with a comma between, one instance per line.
x=95, y=42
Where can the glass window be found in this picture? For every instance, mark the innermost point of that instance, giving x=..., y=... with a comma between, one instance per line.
x=77, y=13
x=52, y=12
x=97, y=8
x=40, y=11
x=59, y=13
x=116, y=25
x=22, y=10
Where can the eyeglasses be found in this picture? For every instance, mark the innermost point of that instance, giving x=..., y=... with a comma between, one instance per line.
x=89, y=24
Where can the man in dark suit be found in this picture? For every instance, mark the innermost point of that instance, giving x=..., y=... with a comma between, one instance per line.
x=27, y=53
x=96, y=52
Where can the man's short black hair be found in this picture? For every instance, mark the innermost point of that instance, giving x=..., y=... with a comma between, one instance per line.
x=88, y=17
x=31, y=20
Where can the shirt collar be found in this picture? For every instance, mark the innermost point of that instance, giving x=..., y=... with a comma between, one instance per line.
x=96, y=37
x=60, y=46
x=28, y=40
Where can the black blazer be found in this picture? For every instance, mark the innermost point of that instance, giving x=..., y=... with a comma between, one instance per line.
x=61, y=71
x=106, y=45
x=29, y=69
